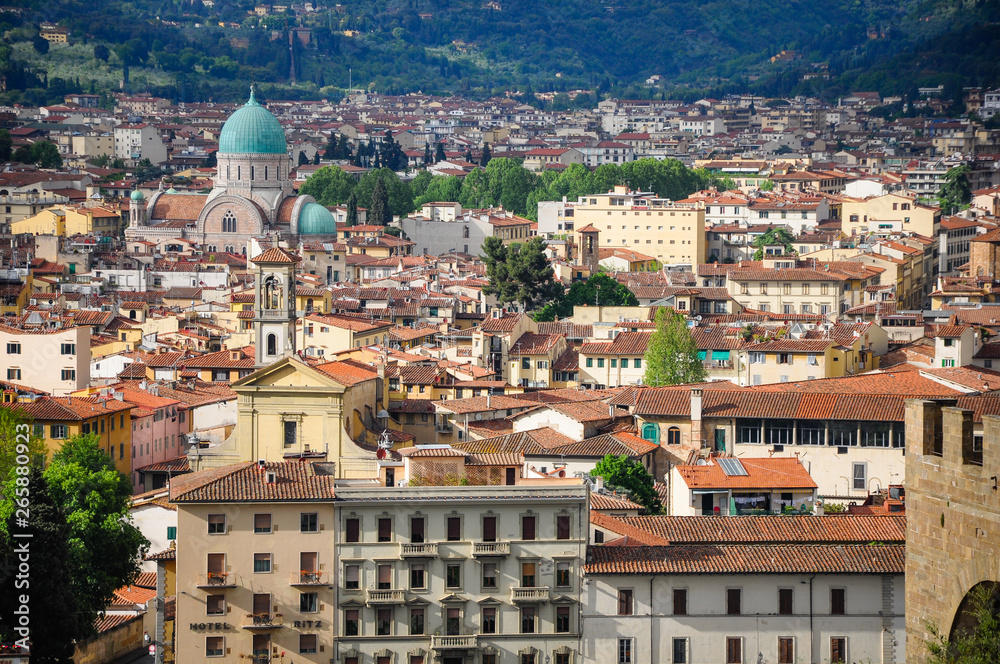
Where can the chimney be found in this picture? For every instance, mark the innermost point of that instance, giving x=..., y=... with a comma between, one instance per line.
x=696, y=417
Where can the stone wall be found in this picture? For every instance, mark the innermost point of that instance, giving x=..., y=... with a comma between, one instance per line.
x=953, y=515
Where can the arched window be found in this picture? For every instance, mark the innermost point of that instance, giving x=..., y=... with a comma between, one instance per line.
x=265, y=172
x=272, y=344
x=651, y=432
x=309, y=305
x=229, y=222
x=673, y=436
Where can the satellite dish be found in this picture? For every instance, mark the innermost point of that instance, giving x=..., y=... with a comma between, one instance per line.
x=479, y=416
x=382, y=414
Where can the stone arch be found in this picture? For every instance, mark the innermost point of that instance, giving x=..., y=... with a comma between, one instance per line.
x=964, y=620
x=250, y=221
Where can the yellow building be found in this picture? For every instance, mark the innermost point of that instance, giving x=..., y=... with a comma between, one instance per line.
x=66, y=221
x=56, y=419
x=330, y=334
x=313, y=300
x=788, y=290
x=673, y=234
x=891, y=213
x=53, y=33
x=532, y=359
x=14, y=297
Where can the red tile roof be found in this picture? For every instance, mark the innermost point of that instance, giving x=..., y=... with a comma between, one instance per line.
x=762, y=473
x=771, y=529
x=244, y=482
x=276, y=255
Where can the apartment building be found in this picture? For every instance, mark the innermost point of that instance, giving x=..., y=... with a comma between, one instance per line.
x=788, y=290
x=532, y=358
x=484, y=574
x=135, y=142
x=782, y=589
x=56, y=361
x=891, y=213
x=327, y=334
x=66, y=221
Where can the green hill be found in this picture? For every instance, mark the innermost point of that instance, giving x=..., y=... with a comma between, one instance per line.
x=187, y=50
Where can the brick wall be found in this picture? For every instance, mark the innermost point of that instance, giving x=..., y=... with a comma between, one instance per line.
x=953, y=516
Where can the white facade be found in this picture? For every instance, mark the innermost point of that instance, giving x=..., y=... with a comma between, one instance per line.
x=57, y=362
x=157, y=523
x=137, y=142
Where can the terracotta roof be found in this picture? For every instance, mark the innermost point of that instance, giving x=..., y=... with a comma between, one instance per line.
x=612, y=501
x=772, y=529
x=531, y=343
x=747, y=559
x=176, y=465
x=503, y=324
x=130, y=595
x=762, y=473
x=110, y=621
x=276, y=255
x=169, y=554
x=240, y=482
x=178, y=207
x=951, y=331
x=63, y=409
x=347, y=374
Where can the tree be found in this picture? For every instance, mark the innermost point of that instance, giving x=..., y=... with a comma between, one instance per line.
x=495, y=255
x=439, y=154
x=400, y=196
x=16, y=442
x=303, y=159
x=520, y=273
x=774, y=237
x=979, y=644
x=427, y=154
x=352, y=211
x=379, y=213
x=956, y=192
x=316, y=159
x=484, y=160
x=515, y=186
x=105, y=548
x=101, y=52
x=6, y=143
x=599, y=289
x=329, y=185
x=672, y=353
x=468, y=156
x=41, y=45
x=392, y=154
x=53, y=603
x=631, y=477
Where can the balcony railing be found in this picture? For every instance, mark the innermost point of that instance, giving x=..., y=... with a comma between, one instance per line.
x=260, y=658
x=491, y=549
x=263, y=621
x=717, y=364
x=464, y=641
x=216, y=580
x=539, y=594
x=418, y=550
x=383, y=596
x=308, y=578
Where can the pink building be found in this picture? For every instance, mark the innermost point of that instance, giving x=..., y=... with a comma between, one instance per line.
x=159, y=426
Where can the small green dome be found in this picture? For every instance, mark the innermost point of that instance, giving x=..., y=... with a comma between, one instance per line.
x=137, y=195
x=314, y=219
x=171, y=191
x=252, y=130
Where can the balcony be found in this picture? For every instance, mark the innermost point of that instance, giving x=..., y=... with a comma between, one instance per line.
x=487, y=549
x=263, y=621
x=418, y=550
x=379, y=597
x=307, y=578
x=217, y=580
x=461, y=642
x=717, y=364
x=530, y=595
x=260, y=658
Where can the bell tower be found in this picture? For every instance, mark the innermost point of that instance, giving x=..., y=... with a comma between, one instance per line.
x=274, y=305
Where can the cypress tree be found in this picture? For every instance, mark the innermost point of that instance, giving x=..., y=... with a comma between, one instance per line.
x=352, y=210
x=439, y=154
x=485, y=159
x=380, y=214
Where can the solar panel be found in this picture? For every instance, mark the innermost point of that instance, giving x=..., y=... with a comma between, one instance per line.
x=732, y=466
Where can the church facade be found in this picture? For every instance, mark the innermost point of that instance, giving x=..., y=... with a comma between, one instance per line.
x=252, y=195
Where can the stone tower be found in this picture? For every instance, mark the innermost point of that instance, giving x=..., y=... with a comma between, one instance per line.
x=589, y=247
x=136, y=209
x=274, y=305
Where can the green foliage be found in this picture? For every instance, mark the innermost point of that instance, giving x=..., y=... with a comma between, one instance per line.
x=105, y=548
x=40, y=44
x=391, y=153
x=439, y=154
x=379, y=213
x=520, y=273
x=400, y=198
x=6, y=143
x=484, y=160
x=43, y=153
x=35, y=447
x=329, y=185
x=956, y=192
x=599, y=289
x=978, y=645
x=351, y=218
x=773, y=237
x=672, y=353
x=101, y=52
x=56, y=617
x=631, y=477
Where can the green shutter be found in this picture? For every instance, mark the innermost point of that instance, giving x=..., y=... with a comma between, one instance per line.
x=171, y=532
x=701, y=355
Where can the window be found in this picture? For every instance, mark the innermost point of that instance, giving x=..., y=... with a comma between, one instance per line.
x=489, y=529
x=680, y=601
x=614, y=363
x=785, y=601
x=308, y=602
x=624, y=651
x=489, y=620
x=307, y=644
x=858, y=473
x=351, y=622
x=352, y=531
x=14, y=348
x=562, y=527
x=383, y=575
x=680, y=651
x=453, y=621
x=838, y=601
x=385, y=529
x=66, y=349
x=291, y=433
x=562, y=575
x=734, y=597
x=352, y=577
x=562, y=619
x=527, y=575
x=416, y=621
x=262, y=563
x=418, y=577
x=58, y=431
x=383, y=622
x=214, y=646
x=637, y=363
x=673, y=436
x=528, y=614
x=734, y=650
x=786, y=650
x=625, y=602
x=229, y=222
x=590, y=362
x=453, y=575
x=525, y=362
x=489, y=575
x=838, y=650
x=67, y=374
x=216, y=524
x=308, y=522
x=171, y=532
x=262, y=523
x=215, y=605
x=527, y=527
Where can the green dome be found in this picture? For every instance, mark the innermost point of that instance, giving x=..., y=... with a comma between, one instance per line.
x=314, y=219
x=137, y=195
x=252, y=130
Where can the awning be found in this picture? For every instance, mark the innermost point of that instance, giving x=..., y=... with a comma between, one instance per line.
x=701, y=355
x=702, y=492
x=720, y=355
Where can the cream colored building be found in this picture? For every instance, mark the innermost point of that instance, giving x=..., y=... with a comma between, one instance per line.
x=532, y=357
x=55, y=361
x=93, y=145
x=21, y=206
x=789, y=290
x=66, y=221
x=892, y=213
x=331, y=334
x=672, y=234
